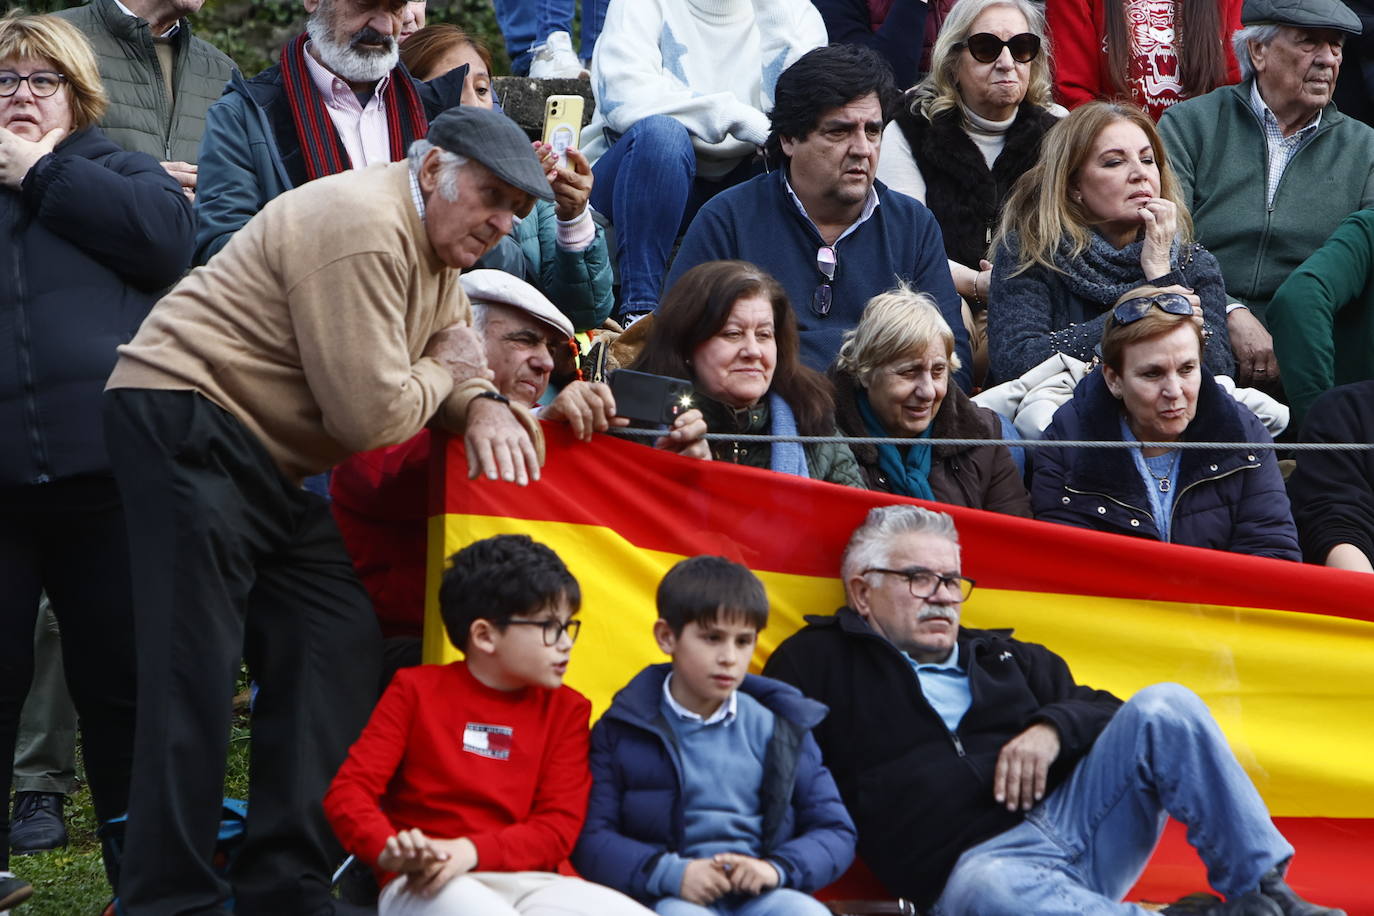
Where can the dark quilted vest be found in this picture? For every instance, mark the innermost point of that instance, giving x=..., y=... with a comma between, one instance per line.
x=141, y=117
x=965, y=196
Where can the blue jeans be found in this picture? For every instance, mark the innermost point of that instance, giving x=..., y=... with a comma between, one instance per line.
x=781, y=902
x=526, y=23
x=647, y=184
x=1080, y=850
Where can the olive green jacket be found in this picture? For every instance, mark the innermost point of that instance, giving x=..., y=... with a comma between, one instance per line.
x=1216, y=146
x=140, y=116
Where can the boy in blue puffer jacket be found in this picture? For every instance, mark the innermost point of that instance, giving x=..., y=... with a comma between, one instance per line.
x=708, y=794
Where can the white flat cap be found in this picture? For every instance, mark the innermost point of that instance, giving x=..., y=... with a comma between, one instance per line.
x=496, y=287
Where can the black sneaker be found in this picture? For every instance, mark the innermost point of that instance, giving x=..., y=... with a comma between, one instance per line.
x=13, y=891
x=1276, y=889
x=1251, y=904
x=37, y=825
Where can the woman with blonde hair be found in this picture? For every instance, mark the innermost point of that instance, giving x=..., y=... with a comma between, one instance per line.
x=93, y=234
x=1098, y=215
x=971, y=128
x=892, y=380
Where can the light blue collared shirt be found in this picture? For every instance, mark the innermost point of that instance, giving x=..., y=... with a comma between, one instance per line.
x=945, y=686
x=724, y=713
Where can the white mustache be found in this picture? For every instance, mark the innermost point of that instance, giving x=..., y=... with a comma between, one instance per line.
x=937, y=613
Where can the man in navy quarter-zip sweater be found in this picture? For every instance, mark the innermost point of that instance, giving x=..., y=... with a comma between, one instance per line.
x=983, y=780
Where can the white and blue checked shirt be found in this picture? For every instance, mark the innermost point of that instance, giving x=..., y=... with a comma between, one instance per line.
x=1281, y=149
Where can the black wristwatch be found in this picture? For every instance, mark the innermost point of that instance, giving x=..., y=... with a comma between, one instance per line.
x=493, y=396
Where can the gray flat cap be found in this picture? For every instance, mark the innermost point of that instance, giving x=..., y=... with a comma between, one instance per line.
x=1309, y=14
x=495, y=141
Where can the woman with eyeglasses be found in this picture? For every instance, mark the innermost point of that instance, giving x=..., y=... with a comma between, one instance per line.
x=1152, y=54
x=727, y=327
x=971, y=128
x=91, y=235
x=1099, y=214
x=1153, y=388
x=892, y=380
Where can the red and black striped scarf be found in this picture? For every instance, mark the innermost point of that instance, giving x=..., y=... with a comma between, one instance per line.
x=321, y=146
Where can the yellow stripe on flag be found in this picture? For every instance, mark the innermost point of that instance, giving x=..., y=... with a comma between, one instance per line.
x=1291, y=691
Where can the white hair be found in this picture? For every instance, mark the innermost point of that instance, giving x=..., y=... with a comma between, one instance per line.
x=346, y=60
x=1240, y=41
x=480, y=313
x=870, y=544
x=449, y=164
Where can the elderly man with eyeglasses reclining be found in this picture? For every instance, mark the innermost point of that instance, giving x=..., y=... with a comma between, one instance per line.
x=984, y=780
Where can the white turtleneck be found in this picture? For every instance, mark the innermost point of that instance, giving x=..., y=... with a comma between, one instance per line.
x=711, y=64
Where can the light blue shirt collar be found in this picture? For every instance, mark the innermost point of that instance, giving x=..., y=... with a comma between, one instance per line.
x=949, y=664
x=725, y=712
x=870, y=204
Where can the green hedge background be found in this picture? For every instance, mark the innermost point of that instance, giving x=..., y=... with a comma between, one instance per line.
x=252, y=32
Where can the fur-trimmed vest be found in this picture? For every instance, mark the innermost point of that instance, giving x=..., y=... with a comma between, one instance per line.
x=963, y=193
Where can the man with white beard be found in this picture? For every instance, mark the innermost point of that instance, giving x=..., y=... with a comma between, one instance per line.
x=339, y=99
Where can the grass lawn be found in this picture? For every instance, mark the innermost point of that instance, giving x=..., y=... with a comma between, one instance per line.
x=71, y=881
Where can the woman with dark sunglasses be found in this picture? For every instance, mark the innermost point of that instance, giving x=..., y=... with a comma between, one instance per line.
x=1099, y=214
x=1156, y=53
x=969, y=130
x=1153, y=388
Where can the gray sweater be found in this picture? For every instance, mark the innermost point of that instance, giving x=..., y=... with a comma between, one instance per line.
x=1040, y=312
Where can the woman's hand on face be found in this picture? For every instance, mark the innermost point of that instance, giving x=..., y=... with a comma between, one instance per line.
x=18, y=155
x=687, y=436
x=1160, y=217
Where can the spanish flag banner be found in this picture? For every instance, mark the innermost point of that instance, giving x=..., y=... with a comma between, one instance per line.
x=1282, y=653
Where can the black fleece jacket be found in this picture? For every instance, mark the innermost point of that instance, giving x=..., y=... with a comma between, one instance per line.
x=919, y=794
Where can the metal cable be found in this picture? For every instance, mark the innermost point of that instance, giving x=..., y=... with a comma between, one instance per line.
x=1020, y=443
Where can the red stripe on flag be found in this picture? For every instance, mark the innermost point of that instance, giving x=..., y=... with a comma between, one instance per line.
x=1330, y=867
x=786, y=524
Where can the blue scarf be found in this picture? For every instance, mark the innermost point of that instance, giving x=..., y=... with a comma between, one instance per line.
x=785, y=457
x=910, y=477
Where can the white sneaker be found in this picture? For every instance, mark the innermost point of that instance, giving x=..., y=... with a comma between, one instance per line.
x=555, y=59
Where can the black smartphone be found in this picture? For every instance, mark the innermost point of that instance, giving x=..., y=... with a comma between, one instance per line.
x=646, y=398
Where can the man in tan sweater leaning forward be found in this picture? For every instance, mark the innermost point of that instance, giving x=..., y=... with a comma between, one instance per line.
x=332, y=323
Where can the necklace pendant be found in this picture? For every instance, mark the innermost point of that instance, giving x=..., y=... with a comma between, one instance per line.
x=1164, y=485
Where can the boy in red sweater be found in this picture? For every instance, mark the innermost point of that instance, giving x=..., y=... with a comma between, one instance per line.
x=469, y=784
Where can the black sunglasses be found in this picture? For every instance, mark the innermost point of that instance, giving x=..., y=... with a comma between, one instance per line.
x=1137, y=308
x=987, y=47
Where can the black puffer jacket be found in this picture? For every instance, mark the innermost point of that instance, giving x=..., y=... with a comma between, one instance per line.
x=918, y=794
x=90, y=240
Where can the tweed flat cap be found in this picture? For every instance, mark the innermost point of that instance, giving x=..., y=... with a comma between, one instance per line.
x=494, y=140
x=1310, y=14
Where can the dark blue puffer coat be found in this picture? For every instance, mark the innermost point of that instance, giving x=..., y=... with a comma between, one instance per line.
x=635, y=812
x=91, y=238
x=1224, y=499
